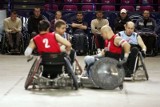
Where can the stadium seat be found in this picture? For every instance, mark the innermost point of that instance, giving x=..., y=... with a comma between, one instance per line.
x=145, y=2
x=127, y=2
x=88, y=8
x=108, y=1
x=89, y=1
x=142, y=8
x=128, y=8
x=69, y=8
x=53, y=7
x=70, y=1
x=108, y=8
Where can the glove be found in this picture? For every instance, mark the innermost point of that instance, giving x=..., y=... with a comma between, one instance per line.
x=122, y=62
x=143, y=53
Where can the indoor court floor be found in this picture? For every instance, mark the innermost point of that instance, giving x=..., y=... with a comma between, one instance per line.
x=14, y=69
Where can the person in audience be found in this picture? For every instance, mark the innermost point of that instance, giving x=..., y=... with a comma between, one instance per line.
x=121, y=20
x=137, y=45
x=13, y=28
x=79, y=29
x=58, y=16
x=146, y=24
x=33, y=22
x=96, y=25
x=79, y=25
x=146, y=28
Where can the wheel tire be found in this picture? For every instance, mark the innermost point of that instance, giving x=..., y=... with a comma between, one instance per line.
x=32, y=72
x=70, y=71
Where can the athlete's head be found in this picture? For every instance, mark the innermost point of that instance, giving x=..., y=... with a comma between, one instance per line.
x=129, y=28
x=43, y=26
x=106, y=32
x=60, y=27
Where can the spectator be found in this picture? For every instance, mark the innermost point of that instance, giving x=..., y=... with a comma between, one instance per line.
x=79, y=28
x=146, y=28
x=13, y=27
x=146, y=24
x=136, y=43
x=33, y=22
x=96, y=25
x=79, y=25
x=121, y=20
x=58, y=16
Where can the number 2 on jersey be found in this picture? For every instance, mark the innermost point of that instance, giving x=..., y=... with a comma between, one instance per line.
x=45, y=41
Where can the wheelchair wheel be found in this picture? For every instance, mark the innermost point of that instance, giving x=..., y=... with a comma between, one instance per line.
x=4, y=45
x=32, y=72
x=21, y=46
x=144, y=66
x=72, y=75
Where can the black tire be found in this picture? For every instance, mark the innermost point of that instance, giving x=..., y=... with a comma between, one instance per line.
x=70, y=71
x=3, y=45
x=32, y=72
x=22, y=46
x=144, y=66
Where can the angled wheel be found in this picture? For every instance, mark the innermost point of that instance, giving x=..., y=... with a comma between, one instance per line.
x=22, y=46
x=70, y=71
x=3, y=46
x=144, y=66
x=32, y=72
x=106, y=74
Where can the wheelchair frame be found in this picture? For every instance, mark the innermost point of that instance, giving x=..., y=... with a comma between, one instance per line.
x=5, y=45
x=35, y=78
x=140, y=63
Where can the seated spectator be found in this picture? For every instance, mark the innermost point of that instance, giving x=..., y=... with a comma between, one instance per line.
x=96, y=25
x=79, y=25
x=136, y=43
x=113, y=47
x=146, y=24
x=79, y=28
x=58, y=16
x=121, y=20
x=33, y=22
x=13, y=27
x=146, y=29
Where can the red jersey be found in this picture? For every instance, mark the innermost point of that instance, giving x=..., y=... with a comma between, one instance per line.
x=46, y=43
x=110, y=46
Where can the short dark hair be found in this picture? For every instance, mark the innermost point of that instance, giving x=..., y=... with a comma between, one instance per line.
x=59, y=23
x=13, y=12
x=99, y=12
x=43, y=25
x=79, y=12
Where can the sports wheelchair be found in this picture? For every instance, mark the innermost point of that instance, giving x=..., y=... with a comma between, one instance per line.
x=104, y=74
x=52, y=70
x=5, y=47
x=139, y=71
